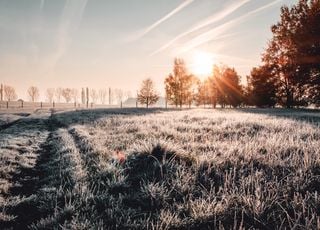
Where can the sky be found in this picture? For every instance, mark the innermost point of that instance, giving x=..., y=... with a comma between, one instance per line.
x=118, y=43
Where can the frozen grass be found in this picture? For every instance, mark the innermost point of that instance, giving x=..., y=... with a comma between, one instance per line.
x=195, y=169
x=19, y=145
x=7, y=119
x=203, y=168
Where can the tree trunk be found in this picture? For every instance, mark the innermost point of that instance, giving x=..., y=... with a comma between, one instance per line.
x=289, y=98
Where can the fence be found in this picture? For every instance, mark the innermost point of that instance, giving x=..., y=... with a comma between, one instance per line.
x=21, y=105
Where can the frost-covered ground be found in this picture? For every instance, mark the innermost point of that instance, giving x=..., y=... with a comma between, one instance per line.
x=161, y=169
x=7, y=119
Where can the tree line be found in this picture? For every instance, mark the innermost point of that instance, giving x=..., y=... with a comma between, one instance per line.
x=68, y=95
x=289, y=75
x=185, y=89
x=221, y=88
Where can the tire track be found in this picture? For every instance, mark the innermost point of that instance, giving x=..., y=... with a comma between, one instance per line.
x=66, y=167
x=89, y=157
x=64, y=182
x=21, y=146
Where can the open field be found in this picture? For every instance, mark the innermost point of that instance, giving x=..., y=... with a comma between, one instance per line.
x=160, y=169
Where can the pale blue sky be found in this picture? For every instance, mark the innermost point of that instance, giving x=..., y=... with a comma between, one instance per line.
x=118, y=43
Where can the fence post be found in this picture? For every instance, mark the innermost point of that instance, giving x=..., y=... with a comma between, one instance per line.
x=53, y=104
x=87, y=94
x=21, y=104
x=1, y=93
x=75, y=104
x=41, y=105
x=7, y=104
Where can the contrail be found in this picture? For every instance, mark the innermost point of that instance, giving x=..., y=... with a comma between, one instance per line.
x=41, y=4
x=246, y=60
x=217, y=17
x=217, y=38
x=70, y=20
x=209, y=35
x=161, y=20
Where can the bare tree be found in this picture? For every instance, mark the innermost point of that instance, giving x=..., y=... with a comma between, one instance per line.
x=58, y=93
x=9, y=93
x=67, y=94
x=50, y=94
x=87, y=96
x=75, y=95
x=111, y=96
x=33, y=93
x=147, y=94
x=118, y=95
x=1, y=93
x=83, y=96
x=103, y=95
x=94, y=95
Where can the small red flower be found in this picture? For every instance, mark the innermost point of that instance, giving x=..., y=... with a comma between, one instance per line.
x=121, y=157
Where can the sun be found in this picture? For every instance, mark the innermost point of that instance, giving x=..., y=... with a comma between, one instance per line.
x=202, y=63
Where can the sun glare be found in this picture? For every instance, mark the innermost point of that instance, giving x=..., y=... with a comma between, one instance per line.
x=202, y=63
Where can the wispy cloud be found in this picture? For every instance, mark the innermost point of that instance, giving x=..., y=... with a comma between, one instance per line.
x=41, y=4
x=69, y=22
x=217, y=31
x=236, y=59
x=210, y=20
x=146, y=30
x=177, y=50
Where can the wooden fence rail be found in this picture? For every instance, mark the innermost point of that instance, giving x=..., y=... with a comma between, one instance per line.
x=46, y=105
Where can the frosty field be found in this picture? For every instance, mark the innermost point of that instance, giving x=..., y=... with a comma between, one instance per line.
x=160, y=169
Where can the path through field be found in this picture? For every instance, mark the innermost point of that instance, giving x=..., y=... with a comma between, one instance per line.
x=40, y=159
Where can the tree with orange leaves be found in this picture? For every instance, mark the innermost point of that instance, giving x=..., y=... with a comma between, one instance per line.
x=180, y=86
x=293, y=54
